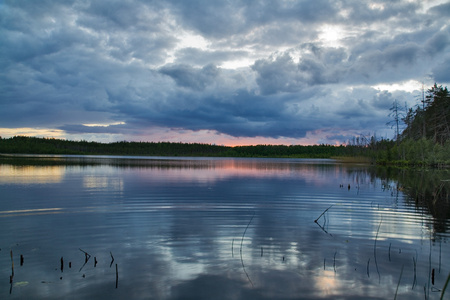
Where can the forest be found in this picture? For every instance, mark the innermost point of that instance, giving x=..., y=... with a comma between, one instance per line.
x=33, y=145
x=425, y=140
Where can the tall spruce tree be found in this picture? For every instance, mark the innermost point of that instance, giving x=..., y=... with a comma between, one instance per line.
x=438, y=114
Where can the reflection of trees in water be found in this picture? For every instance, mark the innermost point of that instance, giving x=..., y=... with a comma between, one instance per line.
x=425, y=189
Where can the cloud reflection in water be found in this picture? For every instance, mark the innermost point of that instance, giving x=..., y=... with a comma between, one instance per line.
x=175, y=228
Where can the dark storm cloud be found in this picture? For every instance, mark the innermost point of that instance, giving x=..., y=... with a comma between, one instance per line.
x=301, y=66
x=442, y=10
x=189, y=77
x=277, y=75
x=218, y=20
x=440, y=72
x=382, y=100
x=240, y=114
x=439, y=42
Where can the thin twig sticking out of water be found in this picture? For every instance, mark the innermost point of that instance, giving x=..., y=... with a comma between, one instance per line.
x=375, y=250
x=232, y=246
x=112, y=259
x=390, y=244
x=87, y=256
x=11, y=278
x=323, y=229
x=240, y=250
x=445, y=286
x=323, y=213
x=12, y=264
x=415, y=276
x=117, y=277
x=429, y=273
x=334, y=262
x=398, y=284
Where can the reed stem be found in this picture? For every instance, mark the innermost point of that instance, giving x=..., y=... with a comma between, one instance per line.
x=232, y=248
x=334, y=261
x=398, y=284
x=117, y=277
x=112, y=259
x=12, y=264
x=445, y=286
x=240, y=250
x=375, y=250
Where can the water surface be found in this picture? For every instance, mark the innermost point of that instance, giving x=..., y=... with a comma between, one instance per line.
x=183, y=228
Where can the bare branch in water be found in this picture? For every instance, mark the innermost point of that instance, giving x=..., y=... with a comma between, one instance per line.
x=242, y=241
x=323, y=213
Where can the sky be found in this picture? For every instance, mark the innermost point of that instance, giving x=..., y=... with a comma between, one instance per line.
x=218, y=72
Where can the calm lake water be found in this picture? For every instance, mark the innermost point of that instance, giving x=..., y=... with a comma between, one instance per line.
x=186, y=228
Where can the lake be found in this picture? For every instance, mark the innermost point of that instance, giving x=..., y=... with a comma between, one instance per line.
x=104, y=227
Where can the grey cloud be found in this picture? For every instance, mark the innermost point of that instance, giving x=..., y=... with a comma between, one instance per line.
x=277, y=75
x=442, y=10
x=76, y=62
x=282, y=74
x=321, y=65
x=211, y=19
x=125, y=15
x=197, y=56
x=363, y=12
x=72, y=29
x=394, y=63
x=440, y=71
x=283, y=11
x=238, y=114
x=361, y=109
x=269, y=36
x=354, y=109
x=316, y=72
x=382, y=100
x=218, y=20
x=189, y=77
x=335, y=56
x=121, y=14
x=438, y=42
x=391, y=57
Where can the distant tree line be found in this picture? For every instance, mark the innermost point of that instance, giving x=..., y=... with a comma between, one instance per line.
x=34, y=145
x=424, y=141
